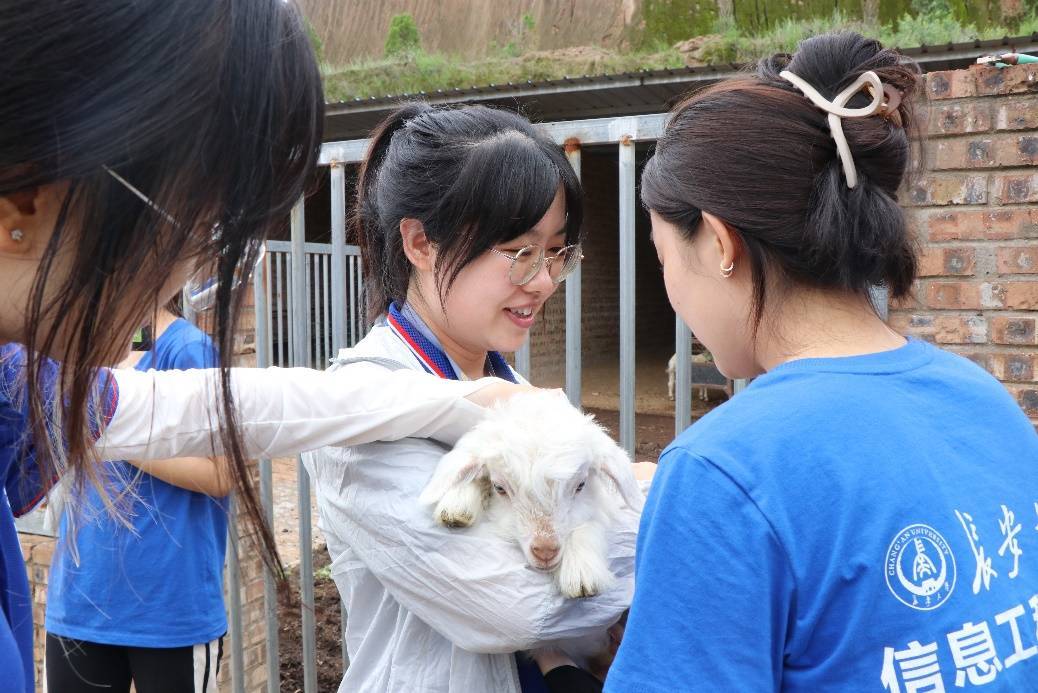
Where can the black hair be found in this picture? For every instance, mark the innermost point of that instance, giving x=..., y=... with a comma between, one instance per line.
x=755, y=152
x=473, y=176
x=213, y=109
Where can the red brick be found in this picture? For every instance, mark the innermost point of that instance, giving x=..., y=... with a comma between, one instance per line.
x=1011, y=367
x=1017, y=367
x=1018, y=79
x=955, y=261
x=953, y=295
x=43, y=553
x=985, y=152
x=1021, y=295
x=912, y=324
x=999, y=224
x=949, y=189
x=1017, y=150
x=963, y=153
x=1026, y=397
x=929, y=262
x=960, y=329
x=1013, y=330
x=962, y=118
x=984, y=360
x=1017, y=260
x=1017, y=114
x=911, y=301
x=1015, y=188
x=951, y=84
x=993, y=295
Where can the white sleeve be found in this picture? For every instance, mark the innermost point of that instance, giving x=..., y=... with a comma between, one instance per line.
x=283, y=411
x=472, y=587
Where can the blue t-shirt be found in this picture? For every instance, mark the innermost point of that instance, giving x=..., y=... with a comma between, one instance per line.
x=161, y=584
x=867, y=523
x=22, y=491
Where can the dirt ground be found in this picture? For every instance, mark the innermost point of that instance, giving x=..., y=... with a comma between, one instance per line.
x=328, y=630
x=654, y=418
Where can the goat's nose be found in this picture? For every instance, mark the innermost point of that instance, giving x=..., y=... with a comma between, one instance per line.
x=545, y=553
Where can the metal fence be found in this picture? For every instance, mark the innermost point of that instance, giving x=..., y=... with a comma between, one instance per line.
x=309, y=303
x=275, y=306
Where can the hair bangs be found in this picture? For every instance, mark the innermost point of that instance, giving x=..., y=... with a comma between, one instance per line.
x=507, y=186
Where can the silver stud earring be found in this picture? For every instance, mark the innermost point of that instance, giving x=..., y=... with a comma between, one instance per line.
x=17, y=235
x=727, y=271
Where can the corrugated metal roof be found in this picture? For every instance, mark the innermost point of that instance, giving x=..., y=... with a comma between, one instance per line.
x=628, y=93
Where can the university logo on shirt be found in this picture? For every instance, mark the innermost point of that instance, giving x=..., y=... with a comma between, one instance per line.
x=920, y=567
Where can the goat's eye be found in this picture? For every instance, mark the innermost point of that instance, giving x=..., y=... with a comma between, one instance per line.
x=580, y=486
x=500, y=490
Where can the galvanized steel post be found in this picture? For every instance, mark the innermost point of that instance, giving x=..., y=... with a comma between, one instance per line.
x=234, y=584
x=300, y=324
x=261, y=293
x=573, y=307
x=627, y=271
x=338, y=197
x=682, y=376
x=339, y=301
x=880, y=297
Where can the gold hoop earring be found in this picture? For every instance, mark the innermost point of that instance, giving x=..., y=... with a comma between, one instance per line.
x=727, y=271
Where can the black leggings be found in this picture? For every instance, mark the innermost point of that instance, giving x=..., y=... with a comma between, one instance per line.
x=569, y=679
x=78, y=666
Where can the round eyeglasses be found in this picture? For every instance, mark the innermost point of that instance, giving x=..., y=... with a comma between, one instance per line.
x=527, y=262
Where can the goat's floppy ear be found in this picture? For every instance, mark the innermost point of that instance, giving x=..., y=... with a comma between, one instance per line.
x=612, y=461
x=458, y=467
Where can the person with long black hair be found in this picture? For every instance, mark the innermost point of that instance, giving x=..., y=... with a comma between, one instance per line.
x=141, y=140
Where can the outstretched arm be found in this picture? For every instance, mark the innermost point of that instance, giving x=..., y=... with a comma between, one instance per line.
x=283, y=411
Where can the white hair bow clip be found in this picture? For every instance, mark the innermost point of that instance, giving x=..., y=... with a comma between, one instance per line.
x=837, y=109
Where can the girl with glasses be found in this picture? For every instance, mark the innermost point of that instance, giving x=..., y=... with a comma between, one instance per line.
x=468, y=219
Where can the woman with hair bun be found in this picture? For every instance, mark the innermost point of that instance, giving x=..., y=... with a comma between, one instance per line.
x=836, y=526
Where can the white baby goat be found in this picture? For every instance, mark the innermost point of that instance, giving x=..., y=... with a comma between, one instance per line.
x=672, y=369
x=537, y=468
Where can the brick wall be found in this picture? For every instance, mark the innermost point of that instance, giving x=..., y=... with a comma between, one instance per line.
x=974, y=214
x=38, y=552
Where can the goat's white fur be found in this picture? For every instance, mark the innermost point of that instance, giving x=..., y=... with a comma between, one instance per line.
x=538, y=449
x=672, y=368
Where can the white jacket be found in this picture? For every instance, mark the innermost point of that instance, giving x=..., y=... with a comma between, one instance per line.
x=429, y=609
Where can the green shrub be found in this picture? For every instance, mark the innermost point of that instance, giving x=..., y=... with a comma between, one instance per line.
x=403, y=38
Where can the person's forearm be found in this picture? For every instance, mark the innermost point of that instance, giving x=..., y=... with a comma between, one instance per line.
x=548, y=659
x=199, y=474
x=284, y=411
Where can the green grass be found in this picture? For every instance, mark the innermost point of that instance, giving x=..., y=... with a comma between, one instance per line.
x=417, y=71
x=427, y=72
